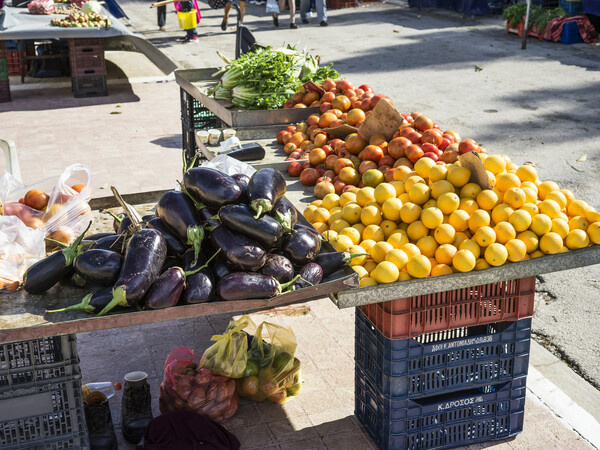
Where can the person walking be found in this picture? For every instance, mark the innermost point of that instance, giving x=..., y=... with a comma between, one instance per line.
x=292, y=6
x=191, y=34
x=321, y=11
x=161, y=13
x=242, y=5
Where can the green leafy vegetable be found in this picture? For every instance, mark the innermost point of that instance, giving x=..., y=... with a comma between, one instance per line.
x=538, y=16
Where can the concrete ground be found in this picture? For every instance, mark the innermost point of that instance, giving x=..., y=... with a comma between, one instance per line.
x=534, y=105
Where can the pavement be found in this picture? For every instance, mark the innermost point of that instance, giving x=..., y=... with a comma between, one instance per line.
x=536, y=105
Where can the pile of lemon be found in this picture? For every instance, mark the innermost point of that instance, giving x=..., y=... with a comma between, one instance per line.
x=432, y=221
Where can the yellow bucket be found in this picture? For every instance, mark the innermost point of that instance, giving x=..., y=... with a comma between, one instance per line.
x=187, y=20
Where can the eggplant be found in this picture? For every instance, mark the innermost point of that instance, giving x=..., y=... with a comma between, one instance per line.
x=240, y=252
x=175, y=247
x=167, y=289
x=97, y=236
x=310, y=275
x=45, y=273
x=98, y=266
x=211, y=187
x=301, y=247
x=123, y=227
x=312, y=229
x=248, y=285
x=241, y=178
x=265, y=187
x=220, y=267
x=264, y=230
x=200, y=286
x=208, y=217
x=145, y=255
x=115, y=242
x=333, y=261
x=285, y=213
x=278, y=267
x=91, y=303
x=170, y=262
x=178, y=212
x=148, y=217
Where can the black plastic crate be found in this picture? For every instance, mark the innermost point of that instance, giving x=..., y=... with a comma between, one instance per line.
x=4, y=91
x=3, y=69
x=194, y=115
x=94, y=86
x=443, y=361
x=190, y=147
x=87, y=65
x=571, y=8
x=442, y=421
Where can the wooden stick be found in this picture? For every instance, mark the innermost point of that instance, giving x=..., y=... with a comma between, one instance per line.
x=132, y=213
x=162, y=3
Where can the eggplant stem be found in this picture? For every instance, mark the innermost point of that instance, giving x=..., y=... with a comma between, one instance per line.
x=285, y=220
x=60, y=244
x=198, y=204
x=119, y=299
x=289, y=283
x=195, y=271
x=258, y=212
x=195, y=237
x=84, y=305
x=73, y=250
x=114, y=216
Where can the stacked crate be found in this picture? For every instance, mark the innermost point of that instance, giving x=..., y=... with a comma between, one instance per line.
x=194, y=116
x=446, y=369
x=13, y=58
x=41, y=405
x=4, y=84
x=88, y=67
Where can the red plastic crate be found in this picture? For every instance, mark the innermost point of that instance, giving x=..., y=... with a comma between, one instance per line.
x=2, y=50
x=75, y=43
x=4, y=91
x=496, y=302
x=14, y=63
x=341, y=4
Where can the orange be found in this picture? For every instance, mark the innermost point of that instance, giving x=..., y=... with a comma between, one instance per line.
x=411, y=180
x=530, y=239
x=379, y=250
x=481, y=264
x=419, y=193
x=352, y=233
x=516, y=250
x=487, y=199
x=485, y=236
x=526, y=173
x=501, y=213
x=345, y=198
x=367, y=281
x=399, y=186
x=330, y=201
x=470, y=190
x=351, y=213
x=550, y=208
x=441, y=269
x=410, y=250
x=437, y=173
x=520, y=220
x=432, y=217
x=541, y=224
x=369, y=266
x=463, y=261
x=386, y=272
x=427, y=245
x=459, y=220
x=470, y=246
x=417, y=230
x=568, y=195
x=339, y=225
x=329, y=235
x=409, y=212
x=448, y=202
x=577, y=238
x=545, y=188
x=357, y=260
x=558, y=197
x=423, y=166
x=578, y=208
x=578, y=222
x=593, y=232
x=444, y=253
x=361, y=271
x=383, y=192
x=495, y=164
x=367, y=245
x=444, y=234
x=468, y=204
x=388, y=227
x=341, y=243
x=397, y=257
x=561, y=227
x=391, y=208
x=479, y=218
x=370, y=215
x=459, y=176
x=308, y=212
x=398, y=239
x=418, y=266
x=440, y=187
x=515, y=197
x=551, y=243
x=505, y=181
x=320, y=215
x=496, y=254
x=400, y=173
x=365, y=195
x=333, y=217
x=504, y=232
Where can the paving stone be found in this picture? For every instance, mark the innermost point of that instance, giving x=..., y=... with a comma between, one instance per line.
x=292, y=428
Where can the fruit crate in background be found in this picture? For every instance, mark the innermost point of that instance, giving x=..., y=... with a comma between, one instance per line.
x=443, y=421
x=41, y=405
x=3, y=69
x=477, y=305
x=571, y=8
x=444, y=361
x=341, y=4
x=4, y=91
x=13, y=58
x=93, y=86
x=570, y=34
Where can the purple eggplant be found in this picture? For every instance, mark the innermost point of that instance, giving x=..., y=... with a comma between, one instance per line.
x=310, y=275
x=45, y=273
x=333, y=261
x=211, y=187
x=199, y=287
x=240, y=252
x=170, y=262
x=285, y=213
x=91, y=303
x=145, y=255
x=278, y=267
x=240, y=218
x=98, y=267
x=177, y=211
x=301, y=247
x=148, y=217
x=299, y=226
x=220, y=267
x=114, y=242
x=241, y=178
x=208, y=217
x=175, y=247
x=265, y=187
x=248, y=286
x=97, y=236
x=167, y=289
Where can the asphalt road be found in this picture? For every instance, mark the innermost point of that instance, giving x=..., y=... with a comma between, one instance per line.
x=539, y=105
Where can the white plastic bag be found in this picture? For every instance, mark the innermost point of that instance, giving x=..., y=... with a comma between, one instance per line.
x=229, y=165
x=272, y=7
x=67, y=213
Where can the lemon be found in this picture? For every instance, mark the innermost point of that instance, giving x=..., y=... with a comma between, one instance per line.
x=411, y=180
x=431, y=203
x=505, y=181
x=481, y=264
x=495, y=164
x=399, y=186
x=398, y=238
x=577, y=238
x=440, y=187
x=419, y=193
x=360, y=227
x=341, y=243
x=404, y=198
x=365, y=195
x=448, y=202
x=469, y=205
x=491, y=177
x=515, y=197
x=578, y=222
x=308, y=212
x=374, y=233
x=496, y=254
x=320, y=227
x=463, y=261
x=516, y=250
x=568, y=195
x=401, y=172
x=367, y=244
x=333, y=217
x=479, y=218
x=423, y=166
x=417, y=230
x=330, y=201
x=409, y=212
x=551, y=243
x=345, y=198
x=530, y=239
x=369, y=266
x=593, y=232
x=530, y=194
x=536, y=254
x=531, y=185
x=418, y=266
x=357, y=260
x=487, y=199
x=444, y=234
x=370, y=215
x=441, y=269
x=386, y=272
x=351, y=213
x=383, y=192
x=485, y=236
x=470, y=190
x=410, y=250
x=459, y=176
x=320, y=215
x=352, y=233
x=329, y=235
x=531, y=208
x=388, y=227
x=437, y=173
x=526, y=173
x=459, y=220
x=541, y=224
x=561, y=227
x=501, y=213
x=379, y=250
x=504, y=232
x=550, y=208
x=559, y=198
x=361, y=271
x=432, y=217
x=444, y=253
x=592, y=215
x=367, y=281
x=317, y=203
x=520, y=220
x=470, y=246
x=459, y=237
x=339, y=225
x=545, y=188
x=397, y=257
x=578, y=208
x=427, y=245
x=391, y=208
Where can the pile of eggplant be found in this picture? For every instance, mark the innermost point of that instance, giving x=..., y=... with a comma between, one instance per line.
x=220, y=238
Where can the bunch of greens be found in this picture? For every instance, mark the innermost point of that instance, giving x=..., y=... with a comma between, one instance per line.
x=538, y=16
x=265, y=78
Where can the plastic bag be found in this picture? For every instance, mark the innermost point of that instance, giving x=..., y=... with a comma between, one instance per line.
x=228, y=356
x=272, y=371
x=185, y=387
x=67, y=213
x=272, y=7
x=229, y=165
x=20, y=247
x=41, y=7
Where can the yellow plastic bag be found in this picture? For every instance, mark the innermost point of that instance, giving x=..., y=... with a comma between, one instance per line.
x=228, y=356
x=187, y=20
x=272, y=371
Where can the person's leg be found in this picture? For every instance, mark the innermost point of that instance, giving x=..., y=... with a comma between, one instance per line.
x=292, y=5
x=161, y=13
x=225, y=16
x=321, y=12
x=281, y=4
x=304, y=4
x=242, y=10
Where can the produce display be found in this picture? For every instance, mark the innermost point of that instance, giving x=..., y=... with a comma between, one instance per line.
x=82, y=20
x=41, y=7
x=265, y=77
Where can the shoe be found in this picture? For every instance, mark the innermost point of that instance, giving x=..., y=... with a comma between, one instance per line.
x=304, y=20
x=312, y=14
x=323, y=23
x=187, y=40
x=293, y=26
x=99, y=422
x=275, y=20
x=224, y=25
x=136, y=410
x=260, y=3
x=162, y=29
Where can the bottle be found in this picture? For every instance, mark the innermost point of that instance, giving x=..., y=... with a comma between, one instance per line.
x=106, y=387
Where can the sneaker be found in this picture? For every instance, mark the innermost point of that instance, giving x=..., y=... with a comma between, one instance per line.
x=99, y=422
x=187, y=40
x=224, y=24
x=304, y=20
x=312, y=14
x=323, y=23
x=293, y=26
x=136, y=410
x=275, y=20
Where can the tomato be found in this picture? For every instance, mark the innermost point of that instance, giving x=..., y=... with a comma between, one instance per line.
x=449, y=156
x=341, y=163
x=36, y=199
x=397, y=146
x=323, y=188
x=427, y=147
x=63, y=234
x=431, y=155
x=279, y=397
x=422, y=122
x=414, y=137
x=313, y=119
x=320, y=139
x=309, y=177
x=326, y=119
x=365, y=87
x=327, y=149
x=468, y=145
x=309, y=97
x=289, y=148
x=299, y=105
x=387, y=160
x=289, y=103
x=355, y=116
x=343, y=85
x=432, y=136
x=341, y=102
x=325, y=106
x=355, y=143
x=294, y=169
x=328, y=84
x=445, y=143
x=339, y=187
x=366, y=165
x=372, y=153
x=414, y=153
x=330, y=161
